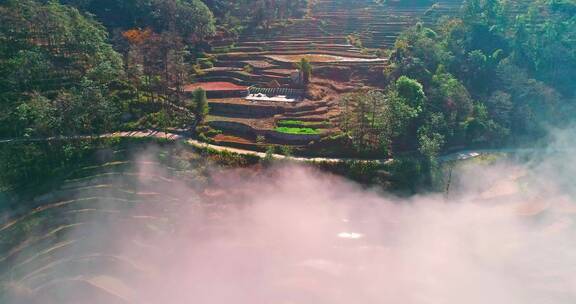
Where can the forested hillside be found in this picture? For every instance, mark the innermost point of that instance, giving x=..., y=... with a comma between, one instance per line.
x=502, y=72
x=287, y=151
x=499, y=73
x=495, y=73
x=92, y=67
x=57, y=71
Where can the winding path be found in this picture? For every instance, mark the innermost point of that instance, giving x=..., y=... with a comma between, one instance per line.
x=460, y=155
x=190, y=141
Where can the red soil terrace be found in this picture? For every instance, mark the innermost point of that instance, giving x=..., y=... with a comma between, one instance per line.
x=214, y=86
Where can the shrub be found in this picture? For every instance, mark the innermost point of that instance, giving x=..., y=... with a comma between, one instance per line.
x=205, y=63
x=355, y=41
x=198, y=70
x=286, y=150
x=260, y=139
x=382, y=53
x=248, y=69
x=202, y=137
x=269, y=157
x=213, y=132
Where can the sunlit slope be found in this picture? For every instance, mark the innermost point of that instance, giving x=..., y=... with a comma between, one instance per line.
x=60, y=247
x=378, y=24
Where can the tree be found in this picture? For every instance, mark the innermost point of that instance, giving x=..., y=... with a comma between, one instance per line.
x=450, y=95
x=192, y=19
x=397, y=119
x=177, y=74
x=411, y=90
x=200, y=104
x=355, y=119
x=429, y=146
x=417, y=52
x=429, y=143
x=305, y=69
x=500, y=108
x=480, y=129
x=163, y=121
x=375, y=120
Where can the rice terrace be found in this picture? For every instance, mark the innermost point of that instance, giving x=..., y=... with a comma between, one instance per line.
x=287, y=151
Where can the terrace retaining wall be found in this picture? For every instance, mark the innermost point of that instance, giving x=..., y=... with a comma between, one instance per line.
x=253, y=111
x=232, y=126
x=226, y=94
x=291, y=138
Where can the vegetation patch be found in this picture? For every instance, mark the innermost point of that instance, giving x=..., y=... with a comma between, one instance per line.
x=301, y=124
x=298, y=131
x=205, y=63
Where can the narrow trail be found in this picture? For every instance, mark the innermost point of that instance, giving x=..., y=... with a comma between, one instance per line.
x=454, y=156
x=192, y=142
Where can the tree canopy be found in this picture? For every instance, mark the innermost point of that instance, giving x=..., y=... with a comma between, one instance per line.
x=491, y=75
x=54, y=62
x=191, y=18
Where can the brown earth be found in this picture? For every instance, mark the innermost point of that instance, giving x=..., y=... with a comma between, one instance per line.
x=214, y=86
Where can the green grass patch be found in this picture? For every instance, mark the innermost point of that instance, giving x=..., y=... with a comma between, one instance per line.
x=301, y=124
x=298, y=131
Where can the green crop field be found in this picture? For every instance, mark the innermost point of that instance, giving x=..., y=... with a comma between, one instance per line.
x=299, y=124
x=299, y=131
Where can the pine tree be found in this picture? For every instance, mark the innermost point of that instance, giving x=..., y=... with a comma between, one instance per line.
x=200, y=102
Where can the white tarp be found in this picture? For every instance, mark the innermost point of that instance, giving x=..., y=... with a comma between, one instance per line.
x=264, y=97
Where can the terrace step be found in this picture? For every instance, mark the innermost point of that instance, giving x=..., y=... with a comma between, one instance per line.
x=233, y=80
x=307, y=107
x=279, y=72
x=246, y=49
x=318, y=111
x=229, y=63
x=244, y=76
x=325, y=33
x=311, y=118
x=237, y=141
x=243, y=109
x=223, y=138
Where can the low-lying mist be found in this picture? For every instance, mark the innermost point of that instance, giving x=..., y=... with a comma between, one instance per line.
x=504, y=235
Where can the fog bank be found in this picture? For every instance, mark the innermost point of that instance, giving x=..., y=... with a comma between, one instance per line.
x=505, y=235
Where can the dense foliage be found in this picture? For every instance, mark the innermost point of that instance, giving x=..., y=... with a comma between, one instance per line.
x=499, y=73
x=83, y=67
x=192, y=19
x=86, y=66
x=56, y=71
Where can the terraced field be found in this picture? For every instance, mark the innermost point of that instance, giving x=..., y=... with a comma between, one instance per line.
x=65, y=246
x=336, y=37
x=378, y=25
